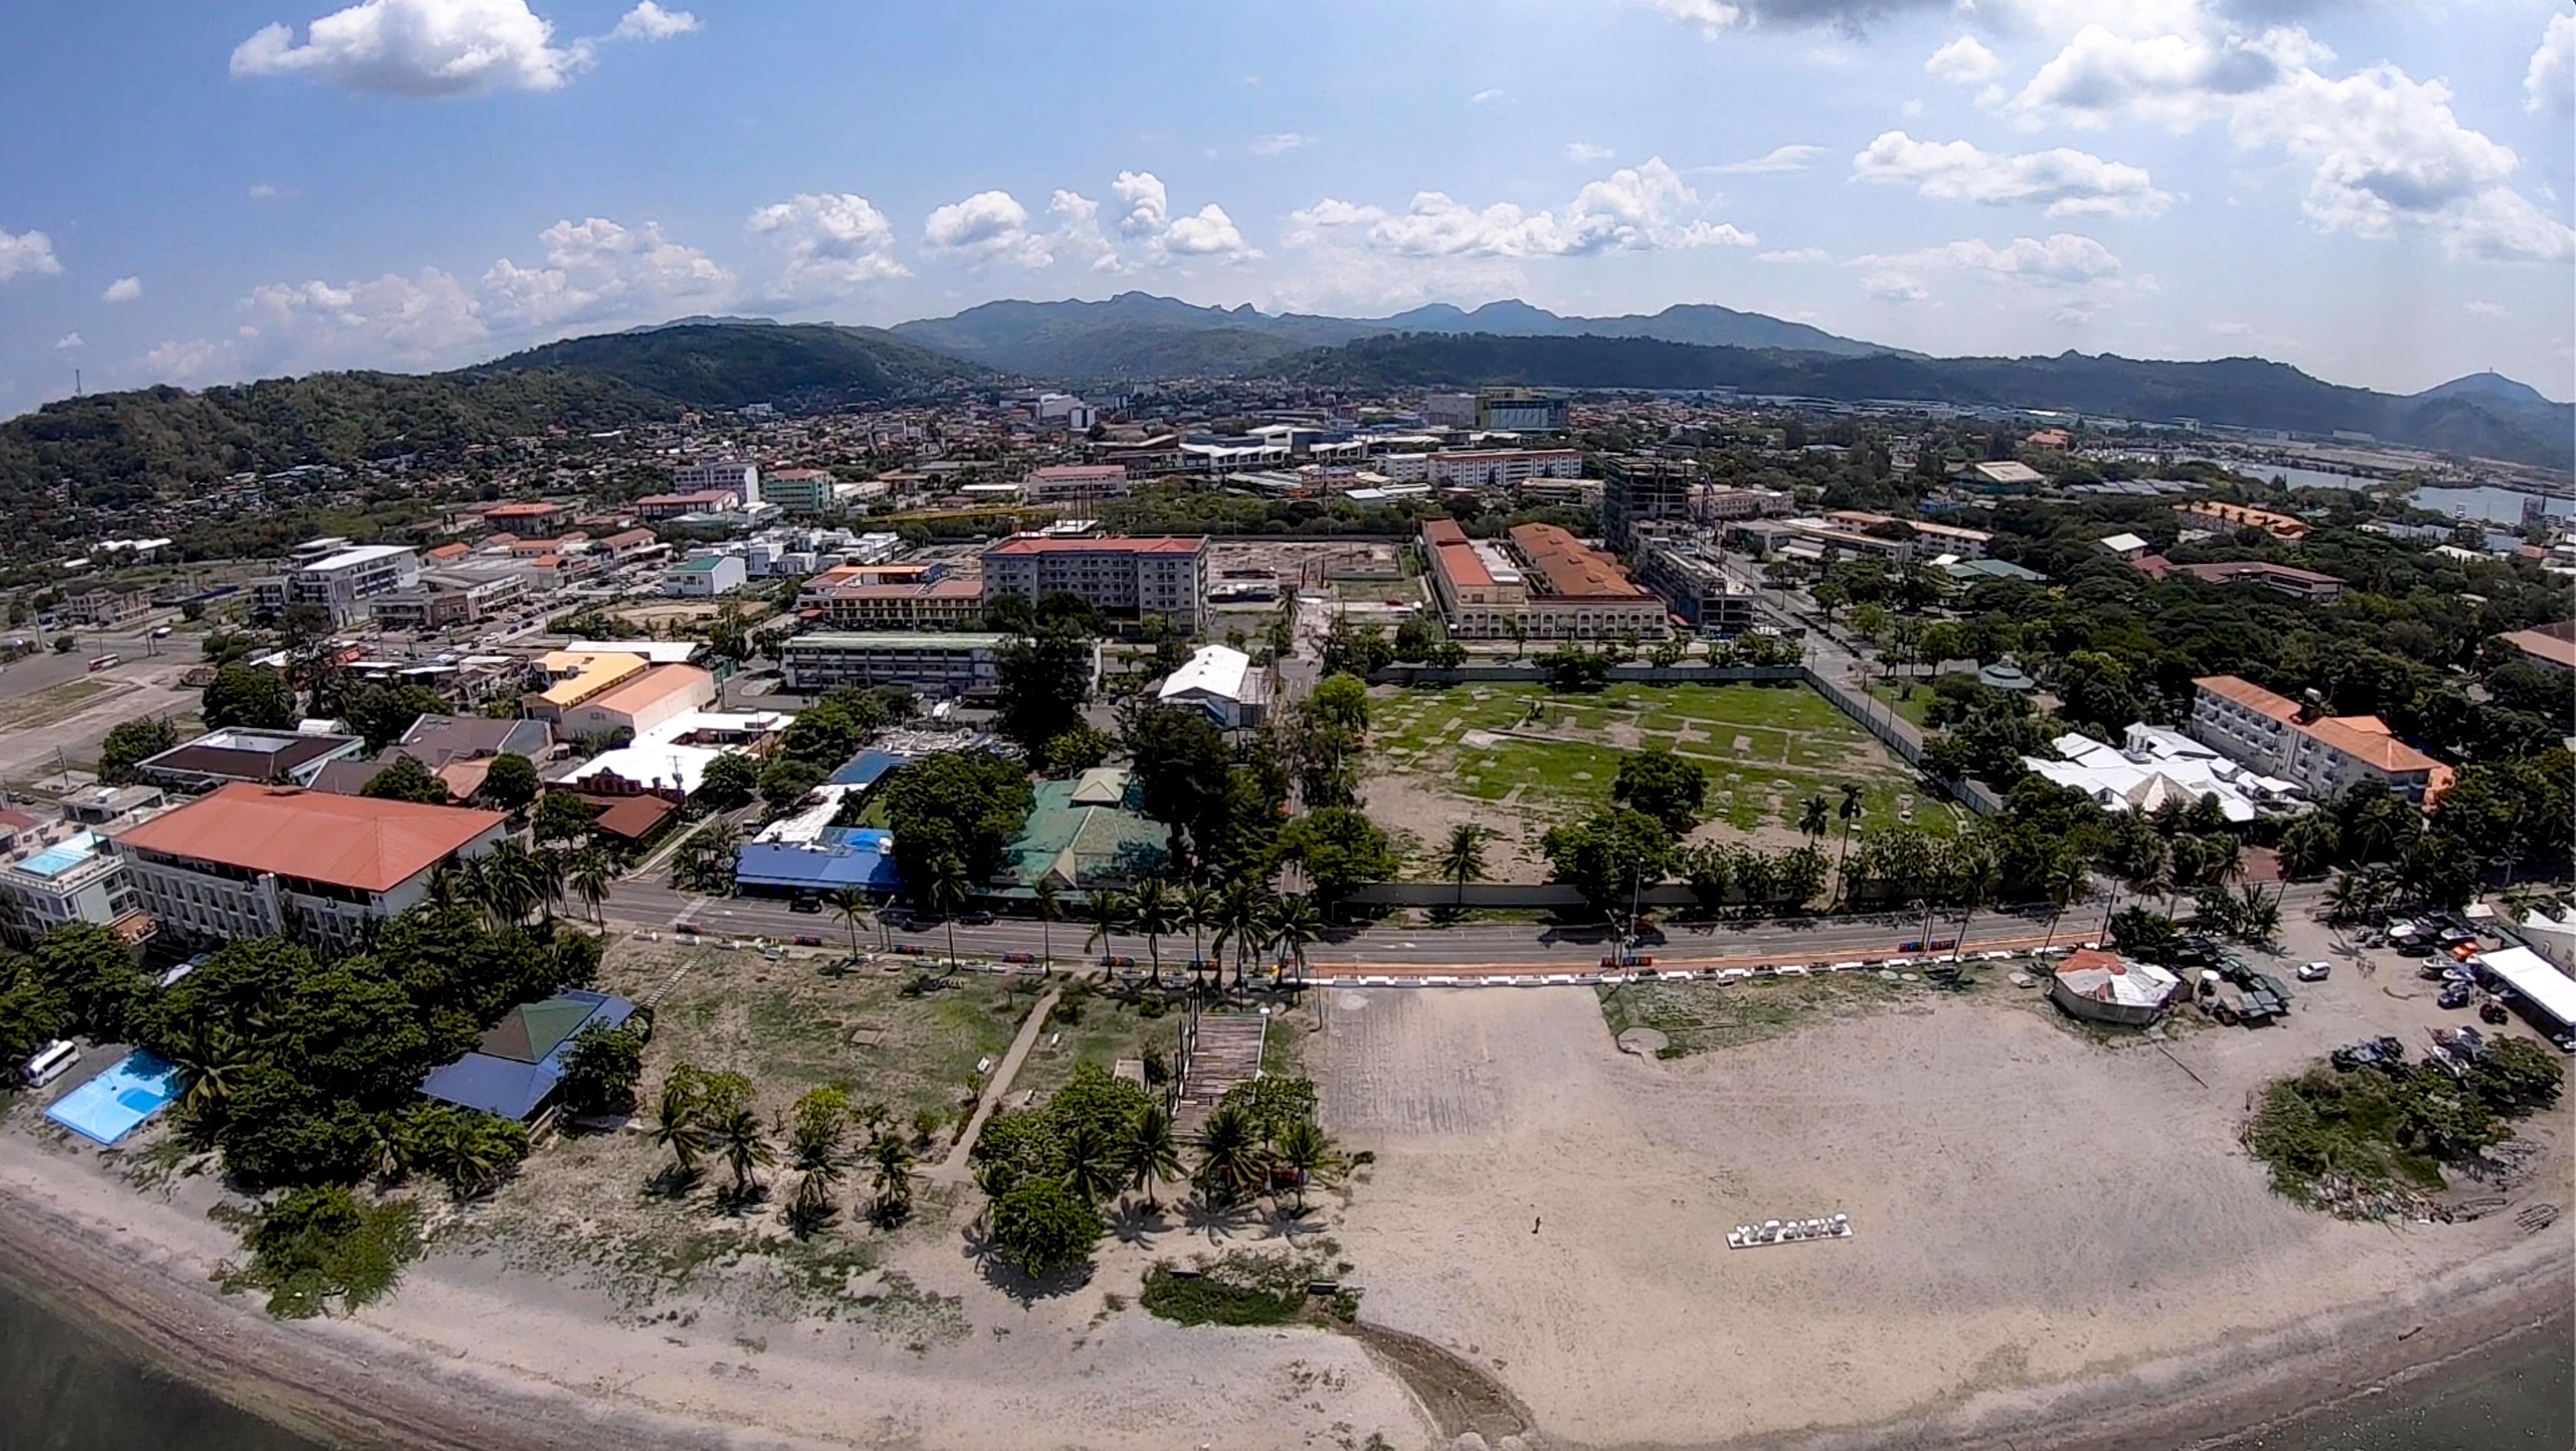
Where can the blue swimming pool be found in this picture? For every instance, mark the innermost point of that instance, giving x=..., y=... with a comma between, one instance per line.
x=113, y=1104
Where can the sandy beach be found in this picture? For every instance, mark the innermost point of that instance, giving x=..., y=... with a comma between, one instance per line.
x=2059, y=1244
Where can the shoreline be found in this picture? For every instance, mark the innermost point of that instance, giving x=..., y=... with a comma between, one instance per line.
x=353, y=1382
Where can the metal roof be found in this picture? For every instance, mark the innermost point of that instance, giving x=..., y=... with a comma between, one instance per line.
x=346, y=841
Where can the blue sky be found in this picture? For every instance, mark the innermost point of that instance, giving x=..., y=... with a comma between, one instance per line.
x=2377, y=191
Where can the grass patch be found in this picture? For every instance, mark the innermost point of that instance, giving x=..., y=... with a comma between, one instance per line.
x=317, y=1246
x=1244, y=1288
x=2373, y=1142
x=56, y=704
x=1093, y=1027
x=1696, y=1017
x=1915, y=706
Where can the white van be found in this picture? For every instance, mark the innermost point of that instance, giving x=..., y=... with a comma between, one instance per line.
x=55, y=1061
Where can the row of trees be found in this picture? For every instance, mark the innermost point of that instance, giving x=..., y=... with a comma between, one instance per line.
x=703, y=1115
x=1243, y=920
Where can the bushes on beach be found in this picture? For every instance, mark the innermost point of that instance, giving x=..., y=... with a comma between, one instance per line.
x=321, y=1244
x=2371, y=1142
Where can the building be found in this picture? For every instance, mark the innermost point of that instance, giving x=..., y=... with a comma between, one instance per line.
x=447, y=600
x=267, y=758
x=575, y=675
x=2124, y=546
x=1694, y=584
x=2550, y=647
x=956, y=664
x=1123, y=578
x=1482, y=468
x=527, y=517
x=2104, y=987
x=518, y=1066
x=939, y=604
x=346, y=583
x=1639, y=495
x=2240, y=516
x=2153, y=766
x=798, y=491
x=638, y=703
x=1927, y=536
x=2544, y=995
x=2306, y=584
x=703, y=501
x=1545, y=583
x=55, y=876
x=1973, y=572
x=2322, y=755
x=1449, y=410
x=1519, y=410
x=457, y=749
x=1220, y=681
x=2004, y=476
x=104, y=607
x=260, y=861
x=706, y=577
x=1069, y=483
x=718, y=475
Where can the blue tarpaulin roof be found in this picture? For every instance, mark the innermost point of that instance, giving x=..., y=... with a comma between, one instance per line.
x=513, y=1089
x=815, y=868
x=865, y=767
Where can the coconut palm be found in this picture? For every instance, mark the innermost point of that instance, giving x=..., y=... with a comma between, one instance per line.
x=1980, y=878
x=216, y=1060
x=743, y=1144
x=1815, y=818
x=809, y=1205
x=1109, y=913
x=1303, y=1150
x=893, y=1159
x=1149, y=1154
x=452, y=884
x=594, y=873
x=1295, y=925
x=1241, y=911
x=944, y=887
x=1155, y=911
x=1848, y=811
x=853, y=906
x=1462, y=860
x=1049, y=899
x=2258, y=914
x=1093, y=1164
x=470, y=1155
x=2064, y=881
x=680, y=1126
x=1195, y=907
x=1230, y=1154
x=2308, y=844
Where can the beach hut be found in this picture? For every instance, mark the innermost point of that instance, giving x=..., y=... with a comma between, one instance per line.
x=2104, y=987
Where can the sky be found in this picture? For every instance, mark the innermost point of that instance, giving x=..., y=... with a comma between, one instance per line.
x=2377, y=191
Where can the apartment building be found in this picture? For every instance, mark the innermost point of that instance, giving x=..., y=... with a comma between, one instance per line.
x=1482, y=468
x=260, y=861
x=61, y=874
x=2322, y=755
x=1519, y=410
x=1693, y=582
x=2305, y=584
x=1639, y=495
x=1072, y=483
x=2240, y=516
x=957, y=664
x=698, y=501
x=345, y=583
x=706, y=577
x=940, y=604
x=1123, y=578
x=105, y=607
x=1545, y=582
x=718, y=475
x=798, y=491
x=449, y=600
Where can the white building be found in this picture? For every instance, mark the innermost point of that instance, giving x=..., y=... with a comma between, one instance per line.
x=2325, y=755
x=706, y=577
x=1120, y=577
x=732, y=476
x=1483, y=468
x=1219, y=680
x=344, y=582
x=64, y=875
x=2154, y=765
x=956, y=663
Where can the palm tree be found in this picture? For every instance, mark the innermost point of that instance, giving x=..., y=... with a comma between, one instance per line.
x=1155, y=913
x=1109, y=914
x=1815, y=818
x=1195, y=907
x=471, y=1157
x=2353, y=896
x=853, y=906
x=810, y=1204
x=945, y=888
x=452, y=884
x=1980, y=878
x=1848, y=812
x=1295, y=925
x=744, y=1145
x=1240, y=914
x=1463, y=859
x=893, y=1159
x=1050, y=904
x=1149, y=1155
x=1093, y=1165
x=216, y=1060
x=1303, y=1150
x=680, y=1126
x=2064, y=881
x=593, y=875
x=2258, y=914
x=1230, y=1155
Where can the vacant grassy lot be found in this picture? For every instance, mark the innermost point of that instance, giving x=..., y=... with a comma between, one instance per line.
x=57, y=704
x=1913, y=704
x=1546, y=758
x=1095, y=1028
x=1695, y=1017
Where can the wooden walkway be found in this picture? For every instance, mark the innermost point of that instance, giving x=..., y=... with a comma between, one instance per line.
x=1226, y=1051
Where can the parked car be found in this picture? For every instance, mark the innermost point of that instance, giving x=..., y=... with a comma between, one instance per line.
x=974, y=919
x=805, y=904
x=2455, y=996
x=2315, y=971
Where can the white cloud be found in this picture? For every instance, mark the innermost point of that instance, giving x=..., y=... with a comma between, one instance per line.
x=27, y=252
x=648, y=21
x=2550, y=82
x=837, y=244
x=1779, y=158
x=2071, y=273
x=182, y=361
x=123, y=289
x=419, y=48
x=2066, y=182
x=1634, y=209
x=2473, y=309
x=1080, y=233
x=67, y=342
x=1208, y=232
x=991, y=225
x=2387, y=151
x=1584, y=153
x=597, y=270
x=421, y=321
x=1485, y=97
x=1964, y=62
x=1894, y=287
x=1148, y=203
x=269, y=191
x=1795, y=256
x=1280, y=143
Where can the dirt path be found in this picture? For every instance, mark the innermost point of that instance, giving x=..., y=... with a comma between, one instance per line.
x=952, y=1170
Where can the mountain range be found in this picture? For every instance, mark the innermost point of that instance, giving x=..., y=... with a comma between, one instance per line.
x=1136, y=335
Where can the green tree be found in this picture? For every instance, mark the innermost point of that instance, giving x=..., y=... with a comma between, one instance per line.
x=1149, y=1154
x=1302, y=1150
x=511, y=782
x=406, y=779
x=1042, y=681
x=33, y=1012
x=95, y=977
x=785, y=783
x=729, y=782
x=601, y=1068
x=1154, y=910
x=1048, y=900
x=381, y=714
x=1076, y=750
x=1609, y=856
x=853, y=907
x=1462, y=859
x=1295, y=924
x=1231, y=1157
x=248, y=697
x=1663, y=786
x=1183, y=769
x=131, y=742
x=737, y=1137
x=892, y=1159
x=1108, y=913
x=562, y=817
x=944, y=887
x=2146, y=934
x=969, y=805
x=680, y=1125
x=1341, y=851
x=1045, y=1228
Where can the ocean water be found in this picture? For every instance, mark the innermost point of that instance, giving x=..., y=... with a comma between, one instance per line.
x=2488, y=504
x=2521, y=1396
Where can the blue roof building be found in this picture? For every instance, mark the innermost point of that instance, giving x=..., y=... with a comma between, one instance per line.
x=866, y=768
x=850, y=857
x=516, y=1069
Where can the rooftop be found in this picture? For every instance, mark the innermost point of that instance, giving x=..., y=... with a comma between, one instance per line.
x=1121, y=544
x=1219, y=670
x=897, y=640
x=1568, y=570
x=351, y=558
x=346, y=841
x=580, y=674
x=247, y=755
x=654, y=686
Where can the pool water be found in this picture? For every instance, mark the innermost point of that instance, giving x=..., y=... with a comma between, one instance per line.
x=116, y=1102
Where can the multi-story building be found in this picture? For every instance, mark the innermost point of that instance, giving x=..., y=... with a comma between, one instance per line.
x=1641, y=494
x=103, y=607
x=940, y=604
x=1123, y=578
x=718, y=475
x=447, y=600
x=1483, y=468
x=2306, y=584
x=639, y=703
x=346, y=583
x=1696, y=585
x=798, y=491
x=706, y=577
x=2321, y=754
x=2240, y=516
x=700, y=501
x=60, y=875
x=1077, y=483
x=269, y=758
x=258, y=861
x=1545, y=583
x=955, y=664
x=1449, y=410
x=1519, y=410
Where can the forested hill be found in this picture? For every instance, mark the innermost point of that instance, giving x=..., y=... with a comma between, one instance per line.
x=71, y=460
x=2247, y=392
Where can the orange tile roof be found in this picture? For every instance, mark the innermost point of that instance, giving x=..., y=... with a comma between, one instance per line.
x=347, y=841
x=2364, y=737
x=2249, y=695
x=2543, y=645
x=651, y=688
x=1456, y=557
x=1190, y=544
x=1570, y=570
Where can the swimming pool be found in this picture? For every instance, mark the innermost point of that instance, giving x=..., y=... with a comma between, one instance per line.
x=110, y=1106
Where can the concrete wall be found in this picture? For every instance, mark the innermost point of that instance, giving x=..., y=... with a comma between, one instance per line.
x=1632, y=673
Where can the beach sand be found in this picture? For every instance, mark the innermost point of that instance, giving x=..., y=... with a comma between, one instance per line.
x=2058, y=1243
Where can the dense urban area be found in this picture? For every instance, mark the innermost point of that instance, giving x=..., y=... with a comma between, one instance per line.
x=722, y=854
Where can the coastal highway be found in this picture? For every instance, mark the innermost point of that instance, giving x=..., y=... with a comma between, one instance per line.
x=1481, y=948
